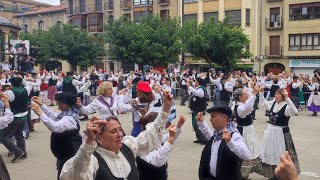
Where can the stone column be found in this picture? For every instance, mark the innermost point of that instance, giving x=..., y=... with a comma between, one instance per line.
x=6, y=45
x=200, y=11
x=221, y=10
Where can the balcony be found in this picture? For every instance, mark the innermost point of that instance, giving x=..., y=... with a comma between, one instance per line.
x=274, y=51
x=88, y=9
x=126, y=4
x=273, y=26
x=95, y=28
x=274, y=0
x=163, y=2
x=109, y=6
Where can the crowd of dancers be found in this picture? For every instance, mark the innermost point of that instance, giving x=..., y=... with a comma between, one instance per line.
x=232, y=148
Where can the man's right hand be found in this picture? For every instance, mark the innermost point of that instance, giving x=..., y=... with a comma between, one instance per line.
x=200, y=117
x=37, y=100
x=286, y=169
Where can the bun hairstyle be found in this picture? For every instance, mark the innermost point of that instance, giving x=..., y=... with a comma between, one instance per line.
x=237, y=94
x=280, y=91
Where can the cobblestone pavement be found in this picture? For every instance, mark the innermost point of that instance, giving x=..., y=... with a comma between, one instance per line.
x=184, y=159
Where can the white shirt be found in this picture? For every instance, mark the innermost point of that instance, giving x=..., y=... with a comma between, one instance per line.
x=246, y=108
x=104, y=112
x=84, y=165
x=236, y=145
x=6, y=119
x=290, y=109
x=197, y=92
x=49, y=118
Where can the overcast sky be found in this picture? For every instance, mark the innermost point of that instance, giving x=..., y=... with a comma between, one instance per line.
x=53, y=2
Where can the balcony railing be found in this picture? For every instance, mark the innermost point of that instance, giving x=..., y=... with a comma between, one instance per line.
x=278, y=25
x=126, y=4
x=163, y=2
x=109, y=5
x=95, y=28
x=274, y=0
x=274, y=51
x=88, y=9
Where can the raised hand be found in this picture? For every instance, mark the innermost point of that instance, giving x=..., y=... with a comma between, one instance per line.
x=167, y=101
x=285, y=169
x=199, y=117
x=255, y=90
x=93, y=129
x=261, y=89
x=181, y=121
x=36, y=108
x=37, y=100
x=226, y=136
x=172, y=133
x=285, y=93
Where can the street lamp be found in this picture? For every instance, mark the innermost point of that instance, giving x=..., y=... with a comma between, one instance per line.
x=182, y=21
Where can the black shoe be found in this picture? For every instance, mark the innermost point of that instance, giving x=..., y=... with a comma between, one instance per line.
x=182, y=104
x=17, y=157
x=203, y=142
x=51, y=105
x=24, y=156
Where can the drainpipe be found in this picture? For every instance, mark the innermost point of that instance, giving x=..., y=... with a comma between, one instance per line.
x=260, y=45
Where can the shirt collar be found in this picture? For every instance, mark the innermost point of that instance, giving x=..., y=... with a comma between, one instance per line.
x=107, y=152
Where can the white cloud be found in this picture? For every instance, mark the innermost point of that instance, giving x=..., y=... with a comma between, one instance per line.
x=53, y=2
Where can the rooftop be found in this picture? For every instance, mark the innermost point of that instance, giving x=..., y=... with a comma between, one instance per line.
x=45, y=10
x=6, y=22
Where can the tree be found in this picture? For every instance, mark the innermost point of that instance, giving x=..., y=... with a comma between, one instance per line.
x=151, y=40
x=216, y=42
x=68, y=43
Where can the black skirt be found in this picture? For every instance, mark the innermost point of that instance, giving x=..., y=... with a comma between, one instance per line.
x=4, y=174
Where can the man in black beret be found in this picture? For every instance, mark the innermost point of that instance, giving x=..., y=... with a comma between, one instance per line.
x=222, y=156
x=65, y=127
x=198, y=103
x=18, y=98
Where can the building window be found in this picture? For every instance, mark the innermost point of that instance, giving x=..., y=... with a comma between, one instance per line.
x=71, y=6
x=137, y=15
x=59, y=23
x=164, y=14
x=304, y=11
x=142, y=2
x=82, y=4
x=234, y=16
x=40, y=25
x=189, y=17
x=98, y=5
x=248, y=17
x=208, y=16
x=25, y=28
x=304, y=42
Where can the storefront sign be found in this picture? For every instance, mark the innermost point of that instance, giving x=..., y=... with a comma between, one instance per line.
x=304, y=63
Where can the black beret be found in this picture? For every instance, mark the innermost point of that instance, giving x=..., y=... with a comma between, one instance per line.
x=222, y=109
x=200, y=80
x=15, y=81
x=66, y=98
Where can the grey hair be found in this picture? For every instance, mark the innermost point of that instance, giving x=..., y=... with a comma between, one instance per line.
x=236, y=94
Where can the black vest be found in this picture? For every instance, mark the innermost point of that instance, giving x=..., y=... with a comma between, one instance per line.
x=247, y=121
x=33, y=93
x=66, y=144
x=228, y=163
x=279, y=118
x=150, y=172
x=183, y=86
x=224, y=94
x=104, y=172
x=69, y=87
x=198, y=104
x=294, y=92
x=20, y=102
x=274, y=88
x=52, y=82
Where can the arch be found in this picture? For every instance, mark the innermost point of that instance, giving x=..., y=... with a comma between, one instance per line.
x=275, y=68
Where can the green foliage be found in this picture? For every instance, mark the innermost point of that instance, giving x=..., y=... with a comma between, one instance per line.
x=215, y=42
x=67, y=43
x=150, y=41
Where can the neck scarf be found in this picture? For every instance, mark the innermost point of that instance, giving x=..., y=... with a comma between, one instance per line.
x=231, y=126
x=73, y=112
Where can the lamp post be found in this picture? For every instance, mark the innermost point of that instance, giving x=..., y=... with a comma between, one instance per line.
x=24, y=19
x=182, y=21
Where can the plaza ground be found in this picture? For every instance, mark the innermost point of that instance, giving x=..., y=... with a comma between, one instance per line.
x=184, y=159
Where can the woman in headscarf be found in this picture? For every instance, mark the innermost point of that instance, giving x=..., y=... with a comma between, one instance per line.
x=65, y=127
x=277, y=137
